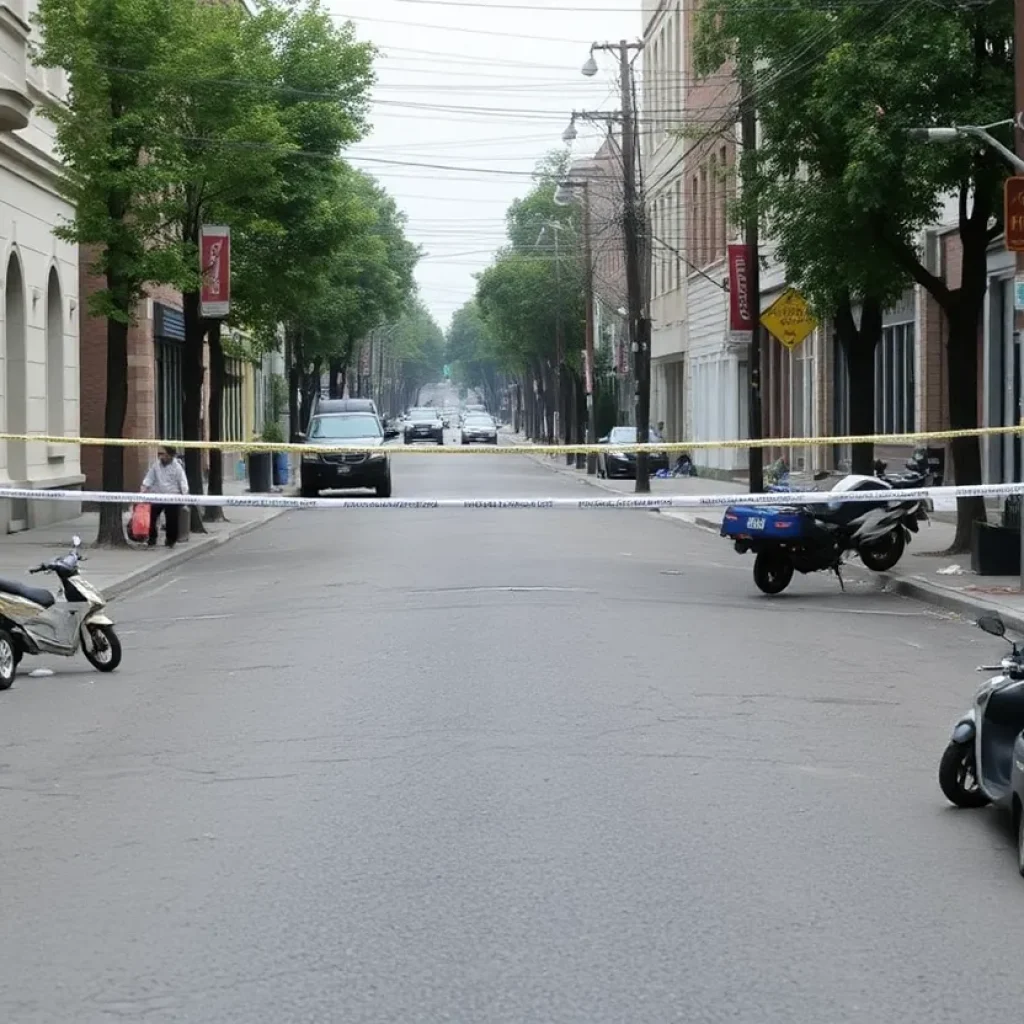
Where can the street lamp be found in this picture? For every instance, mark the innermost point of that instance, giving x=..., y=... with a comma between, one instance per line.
x=979, y=132
x=590, y=67
x=570, y=133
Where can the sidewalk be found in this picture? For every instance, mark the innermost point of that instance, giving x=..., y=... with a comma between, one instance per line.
x=115, y=571
x=923, y=573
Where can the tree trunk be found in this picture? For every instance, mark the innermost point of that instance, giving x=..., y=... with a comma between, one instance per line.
x=859, y=346
x=292, y=377
x=215, y=482
x=294, y=383
x=962, y=362
x=192, y=375
x=311, y=385
x=111, y=529
x=333, y=375
x=549, y=401
x=580, y=393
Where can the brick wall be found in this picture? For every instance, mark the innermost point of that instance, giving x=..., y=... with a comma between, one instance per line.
x=140, y=420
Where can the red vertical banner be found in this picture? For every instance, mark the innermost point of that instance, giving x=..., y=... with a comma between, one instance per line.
x=741, y=304
x=215, y=264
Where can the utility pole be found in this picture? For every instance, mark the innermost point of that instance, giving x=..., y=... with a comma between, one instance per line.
x=639, y=335
x=559, y=340
x=589, y=369
x=748, y=124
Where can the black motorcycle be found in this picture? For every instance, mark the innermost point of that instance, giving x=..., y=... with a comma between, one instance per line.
x=815, y=538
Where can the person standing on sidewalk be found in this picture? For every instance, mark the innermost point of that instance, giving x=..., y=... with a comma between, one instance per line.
x=165, y=476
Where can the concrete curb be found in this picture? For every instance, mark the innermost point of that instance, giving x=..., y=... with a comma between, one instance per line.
x=967, y=606
x=182, y=555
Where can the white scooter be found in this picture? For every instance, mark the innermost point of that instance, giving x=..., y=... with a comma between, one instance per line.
x=32, y=621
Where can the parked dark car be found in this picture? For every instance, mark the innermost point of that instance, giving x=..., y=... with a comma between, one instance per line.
x=345, y=470
x=424, y=424
x=622, y=465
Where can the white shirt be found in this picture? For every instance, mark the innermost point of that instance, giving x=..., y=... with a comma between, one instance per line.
x=169, y=479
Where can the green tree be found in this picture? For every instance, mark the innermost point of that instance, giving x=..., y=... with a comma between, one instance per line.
x=371, y=282
x=532, y=297
x=284, y=261
x=841, y=112
x=225, y=132
x=122, y=163
x=471, y=353
x=417, y=345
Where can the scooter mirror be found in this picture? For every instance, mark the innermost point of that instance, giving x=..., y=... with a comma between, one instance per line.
x=76, y=541
x=992, y=624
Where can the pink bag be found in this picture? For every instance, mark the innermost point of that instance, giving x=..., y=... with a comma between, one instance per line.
x=138, y=529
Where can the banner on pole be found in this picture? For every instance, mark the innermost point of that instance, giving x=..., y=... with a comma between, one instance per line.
x=741, y=305
x=215, y=264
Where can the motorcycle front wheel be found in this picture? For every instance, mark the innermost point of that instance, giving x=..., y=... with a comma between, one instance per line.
x=958, y=777
x=883, y=554
x=773, y=571
x=106, y=653
x=1020, y=843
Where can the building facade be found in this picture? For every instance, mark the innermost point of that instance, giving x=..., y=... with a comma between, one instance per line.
x=663, y=152
x=155, y=394
x=616, y=389
x=39, y=300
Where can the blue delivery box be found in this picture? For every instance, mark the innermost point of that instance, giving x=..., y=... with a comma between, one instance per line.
x=762, y=522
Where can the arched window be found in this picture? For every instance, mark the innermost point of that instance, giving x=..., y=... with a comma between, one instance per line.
x=16, y=377
x=54, y=357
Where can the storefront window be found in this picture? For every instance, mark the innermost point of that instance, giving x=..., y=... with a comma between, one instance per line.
x=168, y=389
x=894, y=380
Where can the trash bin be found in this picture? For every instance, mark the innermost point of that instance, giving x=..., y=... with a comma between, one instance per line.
x=282, y=469
x=260, y=473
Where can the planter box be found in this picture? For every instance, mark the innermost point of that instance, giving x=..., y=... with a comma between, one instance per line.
x=995, y=550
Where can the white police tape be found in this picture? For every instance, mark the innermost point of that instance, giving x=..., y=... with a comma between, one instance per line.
x=777, y=498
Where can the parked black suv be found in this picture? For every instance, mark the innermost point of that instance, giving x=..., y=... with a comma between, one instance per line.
x=345, y=470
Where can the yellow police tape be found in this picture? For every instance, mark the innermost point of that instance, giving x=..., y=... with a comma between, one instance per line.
x=522, y=449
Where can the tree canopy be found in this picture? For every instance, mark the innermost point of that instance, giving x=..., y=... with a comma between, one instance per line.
x=181, y=113
x=843, y=184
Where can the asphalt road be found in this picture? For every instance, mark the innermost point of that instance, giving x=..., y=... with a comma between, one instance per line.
x=500, y=767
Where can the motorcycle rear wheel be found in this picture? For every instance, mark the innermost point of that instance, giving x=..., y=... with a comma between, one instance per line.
x=885, y=553
x=8, y=659
x=956, y=765
x=773, y=572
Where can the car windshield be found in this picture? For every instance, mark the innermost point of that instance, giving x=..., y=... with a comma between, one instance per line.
x=479, y=421
x=344, y=427
x=423, y=414
x=627, y=435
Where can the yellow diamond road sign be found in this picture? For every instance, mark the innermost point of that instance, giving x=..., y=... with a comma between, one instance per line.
x=789, y=318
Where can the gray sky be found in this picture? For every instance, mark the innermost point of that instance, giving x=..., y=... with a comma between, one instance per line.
x=485, y=87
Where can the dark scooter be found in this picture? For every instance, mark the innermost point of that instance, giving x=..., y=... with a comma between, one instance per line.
x=984, y=760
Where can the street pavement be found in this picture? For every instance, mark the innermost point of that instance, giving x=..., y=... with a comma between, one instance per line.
x=508, y=767
x=926, y=572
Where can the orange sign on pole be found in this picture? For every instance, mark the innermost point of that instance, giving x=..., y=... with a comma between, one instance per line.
x=1013, y=213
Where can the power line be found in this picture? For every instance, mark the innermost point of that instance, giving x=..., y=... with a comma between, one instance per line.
x=462, y=28
x=685, y=6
